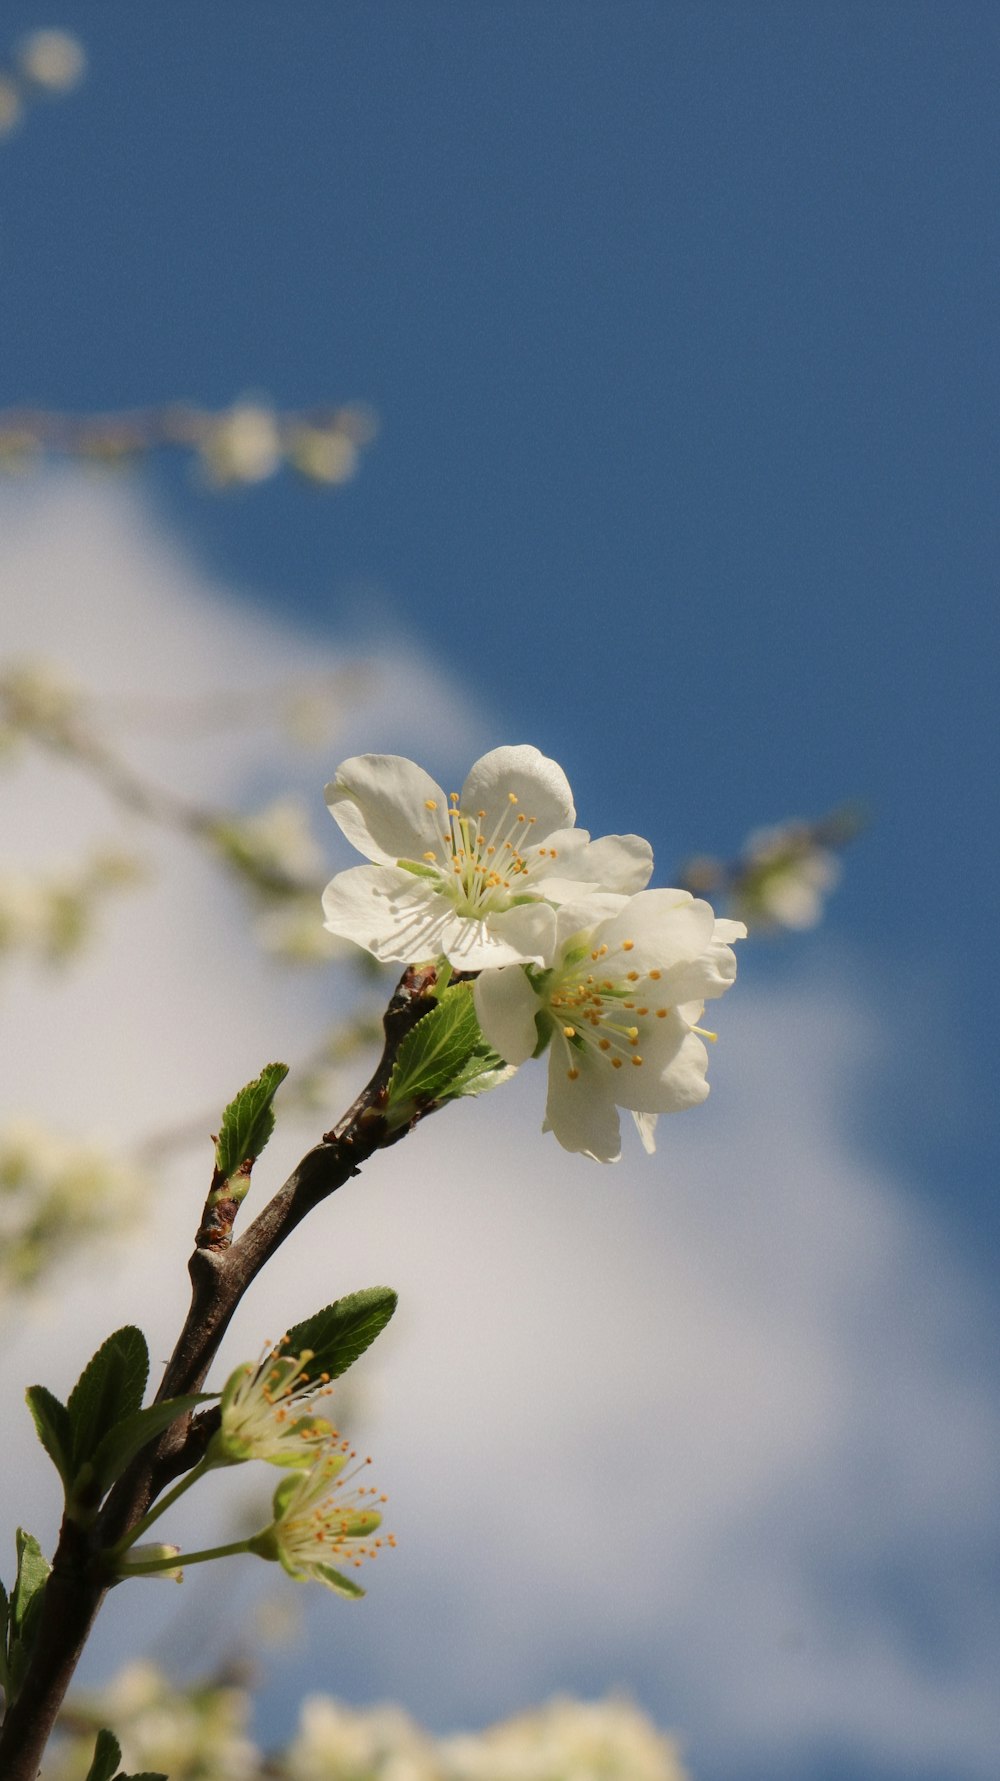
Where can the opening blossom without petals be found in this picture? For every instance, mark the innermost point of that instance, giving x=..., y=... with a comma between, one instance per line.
x=572, y=953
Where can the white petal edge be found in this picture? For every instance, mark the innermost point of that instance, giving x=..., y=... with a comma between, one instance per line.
x=380, y=801
x=539, y=785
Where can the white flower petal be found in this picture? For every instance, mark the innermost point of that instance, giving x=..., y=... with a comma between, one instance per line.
x=665, y=927
x=645, y=1125
x=506, y=1006
x=618, y=863
x=381, y=801
x=676, y=1083
x=524, y=935
x=539, y=785
x=701, y=979
x=393, y=914
x=582, y=1112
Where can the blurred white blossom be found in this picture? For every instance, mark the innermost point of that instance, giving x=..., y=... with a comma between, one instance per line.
x=566, y=1740
x=242, y=445
x=188, y=1734
x=200, y=1734
x=787, y=876
x=51, y=59
x=340, y=1743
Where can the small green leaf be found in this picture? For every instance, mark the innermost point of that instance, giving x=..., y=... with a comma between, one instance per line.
x=122, y=1443
x=107, y=1756
x=32, y=1570
x=248, y=1121
x=25, y=1607
x=341, y=1332
x=55, y=1431
x=109, y=1389
x=433, y=1054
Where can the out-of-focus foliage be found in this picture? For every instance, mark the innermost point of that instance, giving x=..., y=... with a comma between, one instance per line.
x=55, y=1196
x=203, y=1734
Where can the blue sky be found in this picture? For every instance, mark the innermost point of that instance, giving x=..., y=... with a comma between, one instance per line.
x=680, y=323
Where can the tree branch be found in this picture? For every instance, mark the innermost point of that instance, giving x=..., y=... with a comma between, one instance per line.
x=219, y=1278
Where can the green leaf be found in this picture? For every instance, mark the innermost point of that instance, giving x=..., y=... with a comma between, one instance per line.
x=24, y=1609
x=107, y=1756
x=55, y=1430
x=32, y=1570
x=433, y=1054
x=122, y=1443
x=341, y=1332
x=147, y=1775
x=109, y=1389
x=248, y=1121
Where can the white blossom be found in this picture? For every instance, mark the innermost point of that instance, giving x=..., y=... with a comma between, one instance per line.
x=475, y=876
x=619, y=1009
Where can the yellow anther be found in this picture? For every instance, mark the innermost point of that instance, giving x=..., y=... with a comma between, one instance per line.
x=430, y=856
x=642, y=1010
x=616, y=1063
x=633, y=977
x=656, y=975
x=454, y=797
x=605, y=1044
x=661, y=1013
x=430, y=803
x=570, y=1032
x=512, y=797
x=521, y=816
x=627, y=945
x=633, y=1034
x=636, y=1058
x=573, y=1073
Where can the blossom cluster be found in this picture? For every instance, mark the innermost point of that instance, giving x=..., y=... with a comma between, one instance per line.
x=267, y=1411
x=570, y=950
x=205, y=1730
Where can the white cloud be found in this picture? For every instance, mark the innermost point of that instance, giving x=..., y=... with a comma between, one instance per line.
x=712, y=1427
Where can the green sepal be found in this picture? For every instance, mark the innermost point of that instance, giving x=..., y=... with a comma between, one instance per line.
x=109, y=1390
x=107, y=1756
x=337, y=1335
x=123, y=1442
x=248, y=1122
x=443, y=1057
x=283, y=1491
x=336, y=1580
x=55, y=1429
x=24, y=1609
